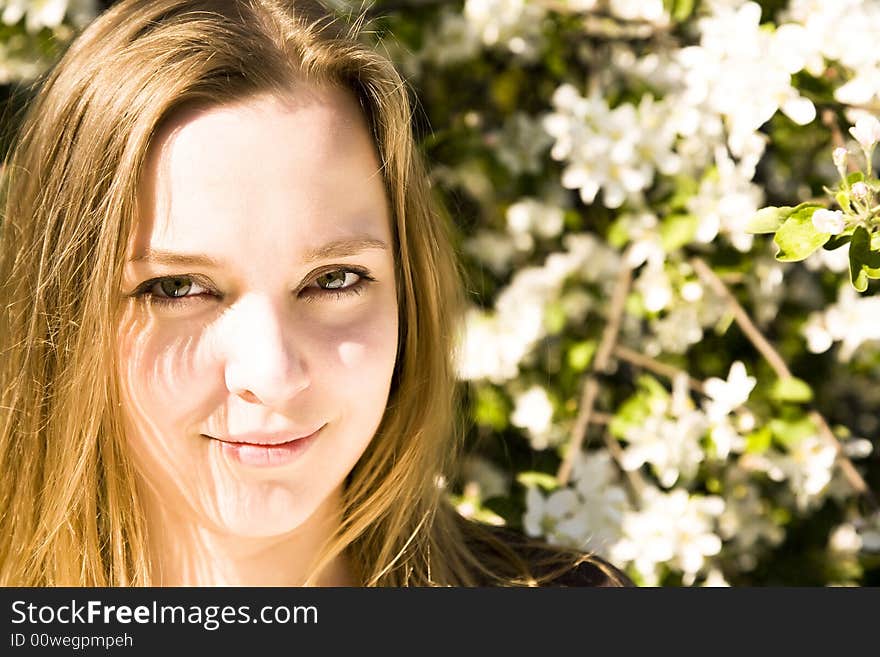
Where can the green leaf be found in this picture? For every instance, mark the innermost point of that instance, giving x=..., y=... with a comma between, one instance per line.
x=791, y=389
x=768, y=220
x=863, y=262
x=490, y=408
x=790, y=432
x=837, y=241
x=797, y=238
x=854, y=177
x=540, y=479
x=842, y=198
x=555, y=318
x=618, y=233
x=580, y=355
x=678, y=230
x=759, y=441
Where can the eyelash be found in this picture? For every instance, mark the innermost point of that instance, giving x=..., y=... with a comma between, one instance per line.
x=144, y=292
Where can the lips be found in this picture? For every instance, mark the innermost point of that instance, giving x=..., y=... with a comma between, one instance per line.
x=266, y=439
x=267, y=449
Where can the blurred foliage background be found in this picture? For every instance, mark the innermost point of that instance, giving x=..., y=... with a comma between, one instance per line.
x=644, y=377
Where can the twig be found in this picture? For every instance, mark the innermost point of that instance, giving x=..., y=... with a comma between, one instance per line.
x=600, y=364
x=742, y=318
x=775, y=360
x=829, y=120
x=849, y=470
x=663, y=369
x=636, y=483
x=601, y=418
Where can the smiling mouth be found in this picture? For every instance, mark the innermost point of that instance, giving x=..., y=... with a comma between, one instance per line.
x=266, y=450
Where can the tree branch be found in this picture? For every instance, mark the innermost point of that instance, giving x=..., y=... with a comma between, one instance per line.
x=600, y=364
x=775, y=360
x=663, y=369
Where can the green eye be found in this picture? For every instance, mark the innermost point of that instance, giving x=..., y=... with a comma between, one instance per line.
x=333, y=280
x=175, y=287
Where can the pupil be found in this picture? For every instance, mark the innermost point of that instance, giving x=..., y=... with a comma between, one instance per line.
x=330, y=283
x=175, y=287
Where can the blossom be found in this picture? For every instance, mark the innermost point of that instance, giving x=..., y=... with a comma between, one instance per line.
x=725, y=396
x=845, y=538
x=866, y=131
x=859, y=190
x=495, y=341
x=671, y=444
x=673, y=529
x=586, y=515
x=645, y=10
x=533, y=411
x=493, y=249
x=829, y=221
x=529, y=216
x=676, y=331
x=513, y=23
x=725, y=201
x=839, y=157
x=521, y=143
x=808, y=468
x=616, y=150
x=843, y=31
x=852, y=321
x=655, y=287
x=737, y=59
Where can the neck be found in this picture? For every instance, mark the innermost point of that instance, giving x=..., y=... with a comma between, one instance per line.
x=187, y=552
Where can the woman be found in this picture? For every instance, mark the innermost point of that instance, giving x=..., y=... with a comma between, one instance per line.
x=231, y=312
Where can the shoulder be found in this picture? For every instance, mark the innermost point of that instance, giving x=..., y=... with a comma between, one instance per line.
x=545, y=564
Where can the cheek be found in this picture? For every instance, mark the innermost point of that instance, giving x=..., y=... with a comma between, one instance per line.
x=162, y=373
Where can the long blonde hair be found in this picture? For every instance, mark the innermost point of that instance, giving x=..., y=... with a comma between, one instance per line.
x=69, y=510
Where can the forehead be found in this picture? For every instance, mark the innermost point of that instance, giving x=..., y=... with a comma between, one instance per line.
x=288, y=163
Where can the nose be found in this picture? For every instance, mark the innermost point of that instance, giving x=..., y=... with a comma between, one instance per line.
x=261, y=364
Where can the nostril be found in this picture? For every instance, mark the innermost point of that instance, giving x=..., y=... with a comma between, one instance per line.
x=248, y=396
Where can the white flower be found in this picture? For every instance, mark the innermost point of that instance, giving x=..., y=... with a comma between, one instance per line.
x=672, y=529
x=839, y=156
x=844, y=538
x=670, y=444
x=495, y=250
x=725, y=201
x=852, y=320
x=655, y=288
x=615, y=150
x=691, y=291
x=859, y=190
x=515, y=24
x=867, y=132
x=645, y=10
x=676, y=331
x=521, y=144
x=533, y=412
x=829, y=221
x=532, y=216
x=543, y=514
x=586, y=516
x=808, y=468
x=715, y=579
x=725, y=396
x=726, y=438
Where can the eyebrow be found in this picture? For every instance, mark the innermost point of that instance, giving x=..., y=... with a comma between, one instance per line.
x=337, y=249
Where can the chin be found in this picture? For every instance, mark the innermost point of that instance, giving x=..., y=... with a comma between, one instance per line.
x=274, y=513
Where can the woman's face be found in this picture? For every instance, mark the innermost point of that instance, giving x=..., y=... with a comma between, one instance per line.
x=258, y=342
